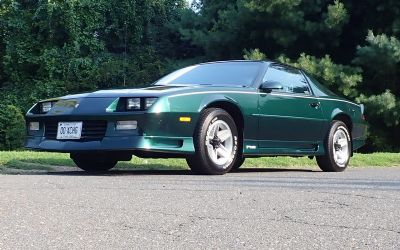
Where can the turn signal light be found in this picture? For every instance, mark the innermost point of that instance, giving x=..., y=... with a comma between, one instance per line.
x=184, y=119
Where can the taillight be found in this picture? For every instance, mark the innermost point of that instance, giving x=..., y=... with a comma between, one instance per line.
x=362, y=111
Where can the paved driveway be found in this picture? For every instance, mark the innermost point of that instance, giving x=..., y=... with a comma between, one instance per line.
x=250, y=209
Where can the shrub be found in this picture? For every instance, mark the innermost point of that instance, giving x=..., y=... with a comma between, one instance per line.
x=12, y=127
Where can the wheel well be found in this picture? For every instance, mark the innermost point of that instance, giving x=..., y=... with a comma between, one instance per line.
x=346, y=119
x=232, y=110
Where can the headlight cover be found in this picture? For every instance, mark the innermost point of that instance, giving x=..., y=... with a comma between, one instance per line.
x=133, y=104
x=46, y=106
x=149, y=101
x=137, y=103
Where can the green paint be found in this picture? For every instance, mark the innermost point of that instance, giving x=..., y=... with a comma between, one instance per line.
x=273, y=124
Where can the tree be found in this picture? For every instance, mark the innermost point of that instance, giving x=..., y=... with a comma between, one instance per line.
x=12, y=128
x=60, y=47
x=224, y=28
x=380, y=59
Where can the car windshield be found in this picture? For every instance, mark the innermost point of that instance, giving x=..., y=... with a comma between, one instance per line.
x=220, y=74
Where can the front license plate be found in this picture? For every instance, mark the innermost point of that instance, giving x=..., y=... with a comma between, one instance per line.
x=69, y=130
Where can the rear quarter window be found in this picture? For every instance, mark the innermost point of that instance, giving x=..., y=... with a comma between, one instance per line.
x=318, y=88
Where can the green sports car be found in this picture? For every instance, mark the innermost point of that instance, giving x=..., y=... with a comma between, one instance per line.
x=212, y=114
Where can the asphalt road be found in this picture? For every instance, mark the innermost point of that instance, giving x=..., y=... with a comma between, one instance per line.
x=250, y=209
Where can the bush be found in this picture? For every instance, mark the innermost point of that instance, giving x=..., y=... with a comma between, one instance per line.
x=12, y=127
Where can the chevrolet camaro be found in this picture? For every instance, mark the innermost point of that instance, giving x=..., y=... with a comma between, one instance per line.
x=212, y=114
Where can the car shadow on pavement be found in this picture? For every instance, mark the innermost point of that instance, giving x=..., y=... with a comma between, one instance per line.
x=121, y=172
x=149, y=170
x=250, y=170
x=166, y=171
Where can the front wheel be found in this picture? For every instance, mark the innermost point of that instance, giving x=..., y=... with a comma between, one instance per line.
x=216, y=143
x=338, y=149
x=239, y=162
x=93, y=162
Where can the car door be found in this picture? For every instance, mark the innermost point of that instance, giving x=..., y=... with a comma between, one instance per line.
x=290, y=118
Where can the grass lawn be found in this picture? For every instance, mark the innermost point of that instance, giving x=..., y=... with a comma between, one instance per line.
x=29, y=160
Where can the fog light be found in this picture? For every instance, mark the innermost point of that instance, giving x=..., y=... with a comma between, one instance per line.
x=126, y=125
x=34, y=126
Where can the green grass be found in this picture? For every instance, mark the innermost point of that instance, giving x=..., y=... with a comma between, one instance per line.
x=28, y=160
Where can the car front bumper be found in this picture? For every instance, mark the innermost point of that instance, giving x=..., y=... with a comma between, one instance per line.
x=161, y=132
x=183, y=145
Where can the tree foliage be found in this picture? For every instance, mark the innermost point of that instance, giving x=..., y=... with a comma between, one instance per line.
x=380, y=59
x=12, y=127
x=51, y=48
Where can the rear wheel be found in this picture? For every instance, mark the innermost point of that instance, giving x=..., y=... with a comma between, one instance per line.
x=216, y=143
x=93, y=162
x=338, y=149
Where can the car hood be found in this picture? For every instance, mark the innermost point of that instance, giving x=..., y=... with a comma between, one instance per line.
x=151, y=91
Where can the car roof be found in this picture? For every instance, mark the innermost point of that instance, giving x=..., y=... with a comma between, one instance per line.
x=267, y=62
x=239, y=61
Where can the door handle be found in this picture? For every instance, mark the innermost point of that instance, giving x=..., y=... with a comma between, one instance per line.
x=314, y=105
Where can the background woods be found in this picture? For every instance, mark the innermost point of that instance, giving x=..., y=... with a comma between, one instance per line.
x=50, y=48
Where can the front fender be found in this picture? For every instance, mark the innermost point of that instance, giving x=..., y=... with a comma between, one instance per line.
x=209, y=100
x=192, y=105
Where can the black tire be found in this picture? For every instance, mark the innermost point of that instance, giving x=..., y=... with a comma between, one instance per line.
x=201, y=162
x=93, y=162
x=239, y=162
x=327, y=162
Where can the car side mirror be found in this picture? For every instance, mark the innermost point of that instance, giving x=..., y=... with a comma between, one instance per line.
x=268, y=86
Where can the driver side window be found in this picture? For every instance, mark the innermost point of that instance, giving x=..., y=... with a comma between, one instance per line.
x=292, y=80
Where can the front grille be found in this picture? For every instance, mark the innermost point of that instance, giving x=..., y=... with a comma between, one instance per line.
x=91, y=130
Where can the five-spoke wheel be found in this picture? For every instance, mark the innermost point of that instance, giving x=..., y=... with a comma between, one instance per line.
x=341, y=152
x=216, y=141
x=219, y=142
